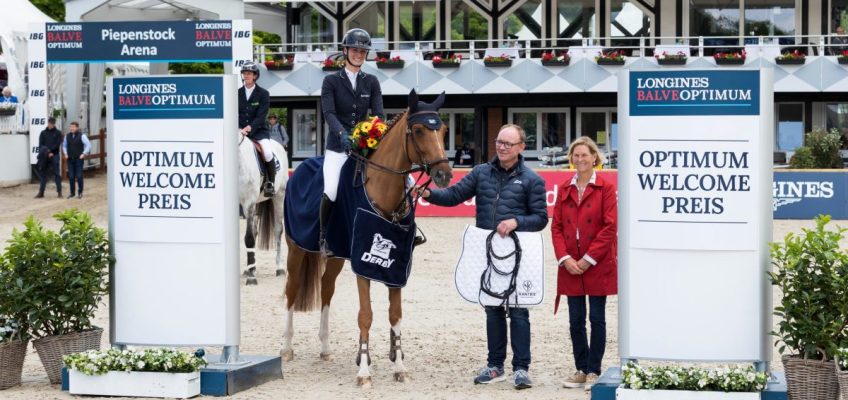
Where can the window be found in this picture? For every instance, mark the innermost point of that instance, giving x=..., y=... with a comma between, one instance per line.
x=743, y=17
x=714, y=17
x=524, y=23
x=628, y=20
x=467, y=24
x=769, y=17
x=601, y=125
x=837, y=118
x=790, y=126
x=373, y=20
x=547, y=127
x=417, y=22
x=576, y=19
x=305, y=133
x=838, y=15
x=313, y=27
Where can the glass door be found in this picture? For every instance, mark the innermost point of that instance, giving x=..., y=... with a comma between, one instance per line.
x=601, y=125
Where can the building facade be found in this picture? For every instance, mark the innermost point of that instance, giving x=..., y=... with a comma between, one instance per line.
x=557, y=104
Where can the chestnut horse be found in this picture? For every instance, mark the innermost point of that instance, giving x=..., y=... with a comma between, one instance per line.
x=310, y=273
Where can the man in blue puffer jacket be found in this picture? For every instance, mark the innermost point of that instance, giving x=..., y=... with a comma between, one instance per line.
x=510, y=197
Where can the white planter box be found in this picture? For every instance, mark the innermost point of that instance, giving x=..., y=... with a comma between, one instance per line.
x=136, y=384
x=630, y=394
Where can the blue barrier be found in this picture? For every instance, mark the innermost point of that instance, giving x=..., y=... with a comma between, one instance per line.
x=804, y=195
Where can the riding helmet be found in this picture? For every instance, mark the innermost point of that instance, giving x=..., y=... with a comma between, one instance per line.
x=252, y=67
x=357, y=38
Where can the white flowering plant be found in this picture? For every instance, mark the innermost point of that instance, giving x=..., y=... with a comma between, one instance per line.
x=96, y=362
x=842, y=358
x=726, y=379
x=7, y=105
x=10, y=330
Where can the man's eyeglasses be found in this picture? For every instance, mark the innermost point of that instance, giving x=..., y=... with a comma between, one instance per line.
x=504, y=144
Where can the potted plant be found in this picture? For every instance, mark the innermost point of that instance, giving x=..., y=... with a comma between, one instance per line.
x=791, y=58
x=843, y=58
x=453, y=61
x=63, y=278
x=730, y=58
x=285, y=63
x=8, y=109
x=331, y=64
x=842, y=372
x=811, y=270
x=610, y=58
x=156, y=372
x=671, y=59
x=390, y=63
x=13, y=347
x=502, y=60
x=690, y=383
x=552, y=60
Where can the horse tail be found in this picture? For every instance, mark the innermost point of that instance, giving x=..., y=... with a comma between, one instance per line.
x=267, y=216
x=308, y=296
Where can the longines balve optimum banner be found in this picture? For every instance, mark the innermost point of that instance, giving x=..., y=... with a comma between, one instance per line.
x=173, y=204
x=695, y=214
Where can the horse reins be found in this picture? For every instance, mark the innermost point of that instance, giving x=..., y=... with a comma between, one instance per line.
x=486, y=276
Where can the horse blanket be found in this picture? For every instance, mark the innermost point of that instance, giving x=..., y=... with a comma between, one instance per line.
x=530, y=282
x=378, y=249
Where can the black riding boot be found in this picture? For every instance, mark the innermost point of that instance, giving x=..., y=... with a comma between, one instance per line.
x=323, y=218
x=270, y=176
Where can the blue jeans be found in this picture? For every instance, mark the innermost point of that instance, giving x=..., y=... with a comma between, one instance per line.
x=588, y=355
x=519, y=336
x=53, y=166
x=75, y=174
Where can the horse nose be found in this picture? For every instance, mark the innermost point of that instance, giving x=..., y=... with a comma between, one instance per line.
x=442, y=177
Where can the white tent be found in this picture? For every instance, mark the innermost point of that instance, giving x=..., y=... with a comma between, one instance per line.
x=14, y=29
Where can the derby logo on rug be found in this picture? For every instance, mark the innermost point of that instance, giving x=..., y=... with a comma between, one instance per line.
x=381, y=249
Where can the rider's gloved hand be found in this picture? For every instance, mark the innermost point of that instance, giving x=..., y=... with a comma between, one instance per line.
x=345, y=140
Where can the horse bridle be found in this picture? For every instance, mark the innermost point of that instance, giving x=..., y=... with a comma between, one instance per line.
x=424, y=166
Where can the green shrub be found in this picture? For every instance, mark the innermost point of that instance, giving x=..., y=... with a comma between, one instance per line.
x=812, y=272
x=53, y=282
x=802, y=159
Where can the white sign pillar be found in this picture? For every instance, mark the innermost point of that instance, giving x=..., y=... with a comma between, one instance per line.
x=173, y=210
x=695, y=215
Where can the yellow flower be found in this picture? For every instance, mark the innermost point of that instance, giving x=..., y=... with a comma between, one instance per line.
x=381, y=128
x=372, y=143
x=365, y=126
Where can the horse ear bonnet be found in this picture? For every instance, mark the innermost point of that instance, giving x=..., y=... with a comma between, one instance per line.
x=427, y=114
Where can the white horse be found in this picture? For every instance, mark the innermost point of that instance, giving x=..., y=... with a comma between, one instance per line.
x=264, y=215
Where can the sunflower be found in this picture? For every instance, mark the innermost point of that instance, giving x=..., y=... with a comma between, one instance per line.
x=365, y=126
x=372, y=143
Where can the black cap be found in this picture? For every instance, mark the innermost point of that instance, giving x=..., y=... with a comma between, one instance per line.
x=51, y=120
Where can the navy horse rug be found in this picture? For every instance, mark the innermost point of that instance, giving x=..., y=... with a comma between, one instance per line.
x=377, y=248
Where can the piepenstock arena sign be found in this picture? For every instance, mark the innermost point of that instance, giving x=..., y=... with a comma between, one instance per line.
x=140, y=41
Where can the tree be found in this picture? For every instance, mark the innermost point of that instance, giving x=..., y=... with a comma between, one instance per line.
x=53, y=8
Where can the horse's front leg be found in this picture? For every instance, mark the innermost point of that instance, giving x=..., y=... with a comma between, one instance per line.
x=395, y=350
x=328, y=288
x=278, y=230
x=363, y=358
x=250, y=244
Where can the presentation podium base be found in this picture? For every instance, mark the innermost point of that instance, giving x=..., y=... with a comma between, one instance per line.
x=249, y=372
x=611, y=380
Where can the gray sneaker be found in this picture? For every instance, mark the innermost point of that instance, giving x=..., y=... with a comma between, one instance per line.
x=490, y=375
x=522, y=380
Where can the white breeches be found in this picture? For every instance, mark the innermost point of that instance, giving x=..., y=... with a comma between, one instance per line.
x=333, y=163
x=266, y=149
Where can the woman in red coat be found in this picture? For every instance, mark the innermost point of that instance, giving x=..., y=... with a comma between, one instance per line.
x=584, y=233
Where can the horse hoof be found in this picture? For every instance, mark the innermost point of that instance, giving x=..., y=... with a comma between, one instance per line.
x=287, y=355
x=281, y=272
x=326, y=356
x=363, y=382
x=251, y=282
x=402, y=377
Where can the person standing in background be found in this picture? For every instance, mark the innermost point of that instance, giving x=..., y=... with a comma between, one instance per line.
x=49, y=143
x=76, y=147
x=278, y=132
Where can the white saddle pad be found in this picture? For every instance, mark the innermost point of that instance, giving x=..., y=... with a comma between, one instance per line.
x=530, y=283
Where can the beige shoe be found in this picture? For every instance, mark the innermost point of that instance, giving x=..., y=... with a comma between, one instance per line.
x=591, y=379
x=578, y=380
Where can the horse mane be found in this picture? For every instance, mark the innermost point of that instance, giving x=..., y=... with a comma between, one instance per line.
x=391, y=124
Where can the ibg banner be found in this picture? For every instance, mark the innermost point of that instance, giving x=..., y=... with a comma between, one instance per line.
x=173, y=201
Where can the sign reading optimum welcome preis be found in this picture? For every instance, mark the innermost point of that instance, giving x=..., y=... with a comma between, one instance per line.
x=695, y=214
x=134, y=41
x=173, y=203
